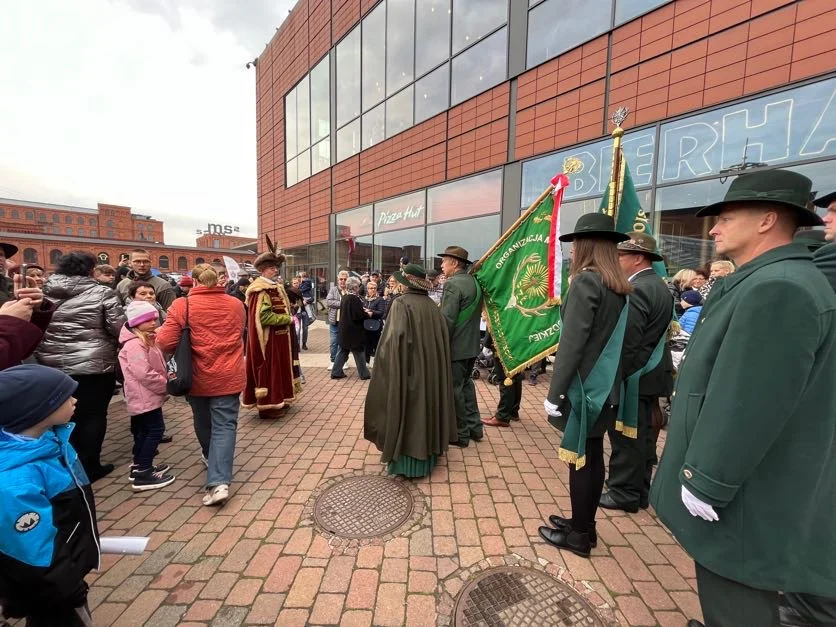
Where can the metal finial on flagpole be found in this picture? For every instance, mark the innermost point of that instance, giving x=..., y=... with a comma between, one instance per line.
x=617, y=118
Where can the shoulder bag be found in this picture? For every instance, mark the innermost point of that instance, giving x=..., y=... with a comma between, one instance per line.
x=180, y=365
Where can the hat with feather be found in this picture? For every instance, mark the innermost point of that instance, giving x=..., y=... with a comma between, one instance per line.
x=271, y=258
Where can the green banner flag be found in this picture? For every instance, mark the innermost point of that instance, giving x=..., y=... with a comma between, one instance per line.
x=629, y=213
x=514, y=275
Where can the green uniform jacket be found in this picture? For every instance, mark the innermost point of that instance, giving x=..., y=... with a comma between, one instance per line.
x=825, y=260
x=459, y=293
x=651, y=311
x=589, y=314
x=753, y=428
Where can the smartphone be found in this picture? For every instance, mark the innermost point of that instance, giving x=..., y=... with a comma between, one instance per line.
x=23, y=270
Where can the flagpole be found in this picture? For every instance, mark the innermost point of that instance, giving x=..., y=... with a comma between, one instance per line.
x=614, y=192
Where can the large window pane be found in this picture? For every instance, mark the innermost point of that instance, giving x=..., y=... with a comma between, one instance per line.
x=433, y=43
x=475, y=236
x=290, y=124
x=559, y=25
x=683, y=237
x=320, y=101
x=400, y=39
x=292, y=173
x=355, y=254
x=823, y=175
x=473, y=19
x=374, y=57
x=321, y=156
x=348, y=140
x=304, y=165
x=626, y=10
x=390, y=247
x=472, y=196
x=348, y=77
x=399, y=112
x=374, y=126
x=432, y=93
x=303, y=114
x=404, y=211
x=480, y=67
x=355, y=223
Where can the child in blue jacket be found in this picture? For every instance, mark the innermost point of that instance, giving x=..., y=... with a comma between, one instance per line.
x=48, y=535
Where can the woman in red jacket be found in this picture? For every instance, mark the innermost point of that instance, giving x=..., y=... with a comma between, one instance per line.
x=217, y=322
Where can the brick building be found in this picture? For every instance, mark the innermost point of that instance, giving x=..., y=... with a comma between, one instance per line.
x=394, y=126
x=229, y=242
x=43, y=232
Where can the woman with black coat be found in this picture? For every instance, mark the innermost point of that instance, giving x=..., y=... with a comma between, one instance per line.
x=375, y=308
x=351, y=334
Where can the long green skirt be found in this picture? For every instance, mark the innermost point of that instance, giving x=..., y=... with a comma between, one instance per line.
x=411, y=467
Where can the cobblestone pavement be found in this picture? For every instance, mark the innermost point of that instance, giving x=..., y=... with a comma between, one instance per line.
x=261, y=560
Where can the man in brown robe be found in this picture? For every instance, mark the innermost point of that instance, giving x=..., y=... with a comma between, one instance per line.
x=273, y=374
x=409, y=412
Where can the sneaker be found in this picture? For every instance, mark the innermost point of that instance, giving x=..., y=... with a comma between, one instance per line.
x=204, y=460
x=163, y=468
x=150, y=480
x=217, y=495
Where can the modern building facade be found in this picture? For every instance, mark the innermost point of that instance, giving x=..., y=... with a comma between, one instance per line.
x=43, y=232
x=398, y=127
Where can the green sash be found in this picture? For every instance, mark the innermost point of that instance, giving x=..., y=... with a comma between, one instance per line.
x=628, y=408
x=588, y=397
x=467, y=313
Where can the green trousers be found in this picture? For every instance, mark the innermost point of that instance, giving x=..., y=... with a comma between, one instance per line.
x=464, y=397
x=632, y=459
x=509, y=396
x=727, y=603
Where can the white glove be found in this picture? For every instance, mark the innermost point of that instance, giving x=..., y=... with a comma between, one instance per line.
x=697, y=508
x=551, y=409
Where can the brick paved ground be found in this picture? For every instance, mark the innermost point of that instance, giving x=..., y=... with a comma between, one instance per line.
x=258, y=560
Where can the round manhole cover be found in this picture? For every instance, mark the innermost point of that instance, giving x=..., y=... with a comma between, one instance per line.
x=521, y=596
x=363, y=507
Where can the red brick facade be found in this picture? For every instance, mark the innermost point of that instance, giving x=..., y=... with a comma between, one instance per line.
x=225, y=241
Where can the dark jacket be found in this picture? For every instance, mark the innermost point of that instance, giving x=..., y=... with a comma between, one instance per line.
x=589, y=314
x=651, y=311
x=306, y=289
x=752, y=428
x=352, y=336
x=825, y=260
x=459, y=293
x=6, y=289
x=377, y=305
x=163, y=289
x=48, y=533
x=19, y=338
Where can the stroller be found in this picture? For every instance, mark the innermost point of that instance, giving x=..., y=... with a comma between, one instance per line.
x=484, y=361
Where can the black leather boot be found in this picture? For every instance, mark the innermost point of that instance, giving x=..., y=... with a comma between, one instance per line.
x=568, y=539
x=562, y=524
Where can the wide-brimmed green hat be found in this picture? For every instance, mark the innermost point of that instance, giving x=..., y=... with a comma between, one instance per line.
x=9, y=250
x=594, y=225
x=456, y=252
x=825, y=200
x=779, y=187
x=641, y=244
x=414, y=276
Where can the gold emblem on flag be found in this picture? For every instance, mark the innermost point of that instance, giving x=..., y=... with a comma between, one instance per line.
x=530, y=295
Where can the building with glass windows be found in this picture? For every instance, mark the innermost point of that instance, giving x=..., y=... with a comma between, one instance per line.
x=395, y=128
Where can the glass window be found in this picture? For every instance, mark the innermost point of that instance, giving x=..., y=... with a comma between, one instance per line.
x=472, y=196
x=296, y=260
x=199, y=260
x=355, y=222
x=823, y=175
x=475, y=236
x=348, y=77
x=16, y=215
x=92, y=221
x=397, y=213
x=56, y=230
x=559, y=25
x=303, y=165
x=626, y=10
x=473, y=19
x=290, y=124
x=373, y=126
x=164, y=262
x=2, y=212
x=292, y=175
x=348, y=140
x=92, y=232
x=54, y=256
x=110, y=223
x=110, y=234
x=390, y=247
x=81, y=221
x=68, y=230
x=56, y=218
x=355, y=253
x=41, y=217
x=303, y=115
x=321, y=156
x=182, y=263
x=432, y=93
x=68, y=219
x=30, y=215
x=433, y=43
x=480, y=68
x=683, y=237
x=320, y=101
x=80, y=232
x=399, y=112
x=374, y=57
x=30, y=255
x=400, y=40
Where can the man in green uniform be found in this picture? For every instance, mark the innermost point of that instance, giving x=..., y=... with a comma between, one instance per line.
x=825, y=257
x=648, y=372
x=747, y=481
x=461, y=305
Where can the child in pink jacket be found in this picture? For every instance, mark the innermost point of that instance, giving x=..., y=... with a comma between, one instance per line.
x=143, y=368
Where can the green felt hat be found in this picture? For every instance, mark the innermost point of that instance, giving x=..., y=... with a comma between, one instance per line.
x=825, y=200
x=594, y=225
x=412, y=275
x=641, y=243
x=781, y=187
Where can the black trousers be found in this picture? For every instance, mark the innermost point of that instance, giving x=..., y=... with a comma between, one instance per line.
x=509, y=396
x=586, y=485
x=90, y=417
x=147, y=429
x=632, y=459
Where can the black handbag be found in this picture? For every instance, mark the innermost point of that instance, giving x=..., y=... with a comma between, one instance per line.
x=180, y=365
x=371, y=324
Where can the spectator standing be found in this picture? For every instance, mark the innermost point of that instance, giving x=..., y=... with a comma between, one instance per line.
x=122, y=269
x=309, y=303
x=184, y=286
x=747, y=481
x=375, y=308
x=510, y=396
x=351, y=333
x=105, y=275
x=333, y=301
x=825, y=257
x=437, y=290
x=141, y=264
x=691, y=303
x=217, y=323
x=680, y=282
x=81, y=341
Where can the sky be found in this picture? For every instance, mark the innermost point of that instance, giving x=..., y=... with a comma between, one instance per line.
x=142, y=103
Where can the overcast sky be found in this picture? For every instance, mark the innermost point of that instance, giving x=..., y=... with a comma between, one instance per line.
x=144, y=103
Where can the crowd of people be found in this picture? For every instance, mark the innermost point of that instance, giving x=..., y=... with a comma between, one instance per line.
x=748, y=475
